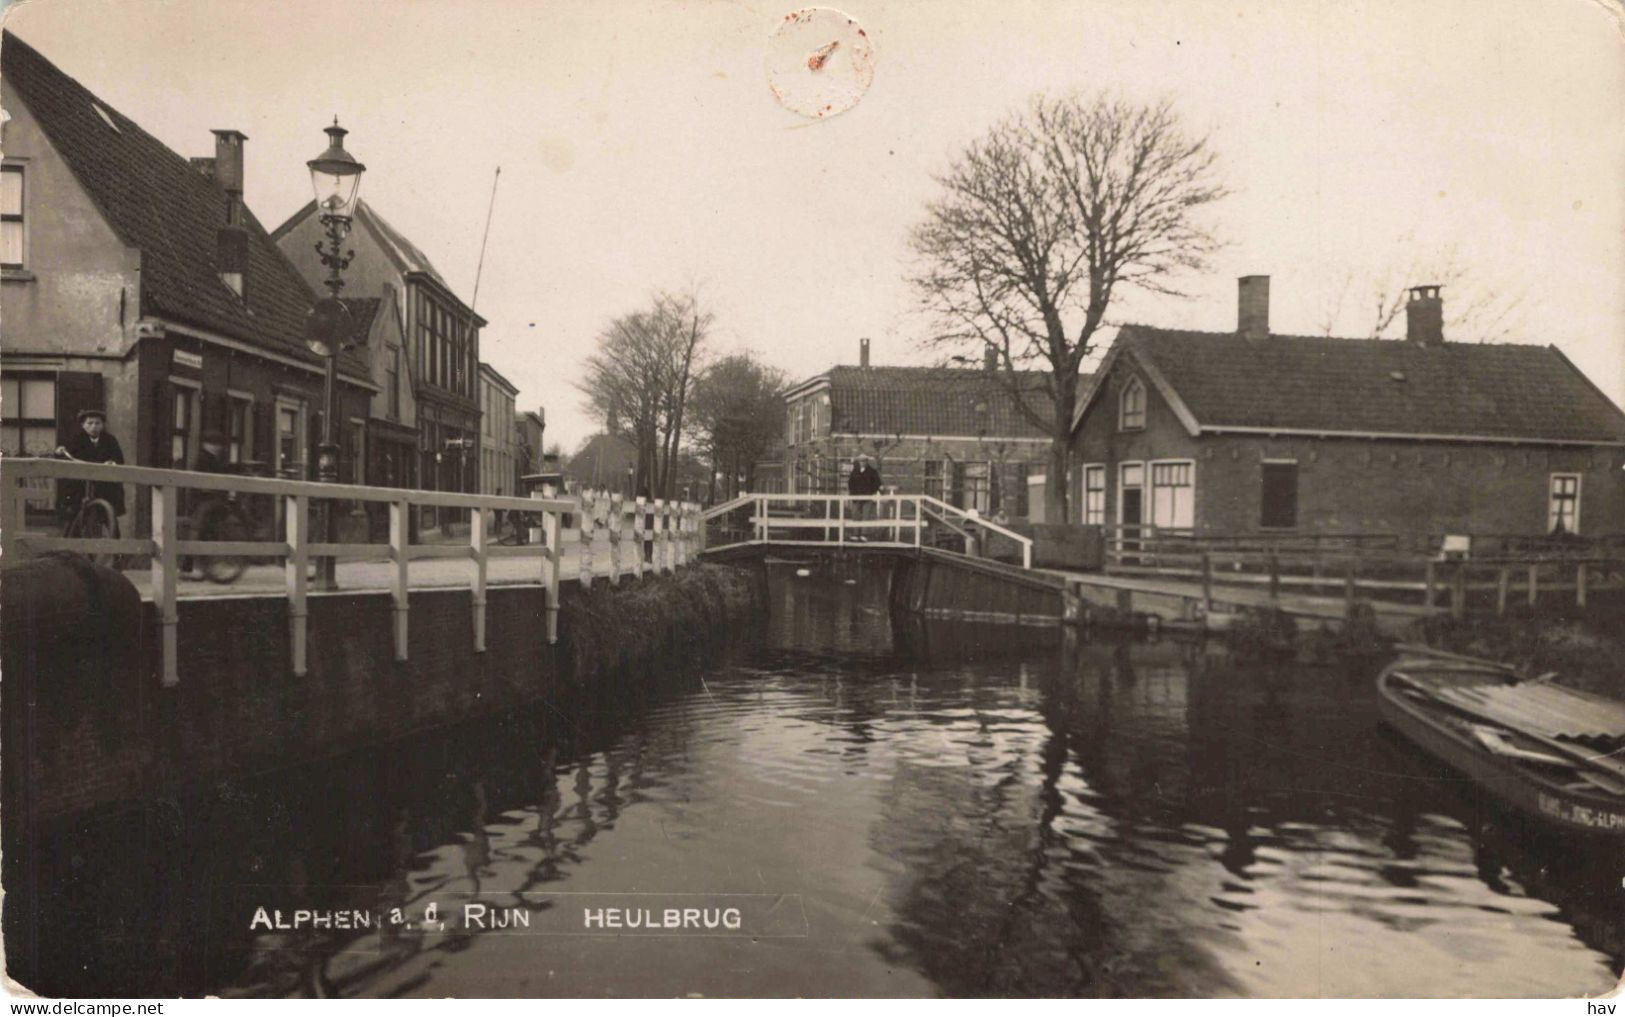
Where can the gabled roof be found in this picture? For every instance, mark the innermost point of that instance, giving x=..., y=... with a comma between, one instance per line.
x=362, y=312
x=404, y=256
x=1368, y=387
x=155, y=200
x=944, y=402
x=496, y=376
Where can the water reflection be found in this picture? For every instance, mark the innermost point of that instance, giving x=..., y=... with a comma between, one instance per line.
x=962, y=810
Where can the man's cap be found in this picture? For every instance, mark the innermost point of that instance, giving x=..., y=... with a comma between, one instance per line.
x=85, y=415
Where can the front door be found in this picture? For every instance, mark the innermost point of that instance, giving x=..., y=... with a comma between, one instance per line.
x=1131, y=509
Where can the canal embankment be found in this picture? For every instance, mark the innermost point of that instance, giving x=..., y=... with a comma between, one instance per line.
x=88, y=724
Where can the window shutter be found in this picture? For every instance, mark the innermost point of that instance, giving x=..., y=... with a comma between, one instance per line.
x=75, y=391
x=163, y=412
x=264, y=434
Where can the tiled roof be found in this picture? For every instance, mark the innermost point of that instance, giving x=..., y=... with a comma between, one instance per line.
x=1372, y=386
x=938, y=401
x=362, y=311
x=155, y=200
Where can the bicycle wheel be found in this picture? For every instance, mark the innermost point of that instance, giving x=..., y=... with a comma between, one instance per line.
x=222, y=522
x=95, y=521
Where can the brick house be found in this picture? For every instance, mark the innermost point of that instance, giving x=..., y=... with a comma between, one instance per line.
x=953, y=433
x=138, y=281
x=1253, y=432
x=440, y=351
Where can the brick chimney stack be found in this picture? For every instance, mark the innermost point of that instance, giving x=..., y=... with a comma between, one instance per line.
x=1253, y=306
x=990, y=358
x=231, y=249
x=863, y=353
x=1424, y=316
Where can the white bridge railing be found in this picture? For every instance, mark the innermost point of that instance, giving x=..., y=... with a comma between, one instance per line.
x=634, y=536
x=842, y=520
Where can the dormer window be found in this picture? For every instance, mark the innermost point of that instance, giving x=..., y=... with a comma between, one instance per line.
x=1131, y=406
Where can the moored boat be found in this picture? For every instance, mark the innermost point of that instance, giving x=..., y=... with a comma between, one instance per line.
x=1554, y=753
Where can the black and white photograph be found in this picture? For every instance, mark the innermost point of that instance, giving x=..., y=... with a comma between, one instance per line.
x=744, y=499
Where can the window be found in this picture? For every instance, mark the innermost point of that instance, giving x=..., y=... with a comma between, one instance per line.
x=1173, y=495
x=1563, y=511
x=182, y=421
x=1279, y=495
x=1022, y=507
x=11, y=217
x=290, y=439
x=976, y=490
x=1094, y=495
x=240, y=427
x=357, y=452
x=1131, y=416
x=392, y=374
x=932, y=479
x=28, y=414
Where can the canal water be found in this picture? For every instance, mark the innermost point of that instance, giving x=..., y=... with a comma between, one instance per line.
x=897, y=808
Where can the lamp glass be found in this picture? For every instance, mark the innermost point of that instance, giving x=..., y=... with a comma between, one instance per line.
x=336, y=190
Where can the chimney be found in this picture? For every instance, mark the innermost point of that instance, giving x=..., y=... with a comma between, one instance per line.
x=990, y=358
x=231, y=240
x=1253, y=306
x=1424, y=316
x=863, y=353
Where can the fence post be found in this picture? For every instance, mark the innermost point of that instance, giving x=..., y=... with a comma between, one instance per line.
x=1580, y=584
x=584, y=527
x=919, y=519
x=617, y=519
x=477, y=547
x=400, y=553
x=1501, y=583
x=165, y=577
x=640, y=526
x=1275, y=576
x=553, y=564
x=297, y=510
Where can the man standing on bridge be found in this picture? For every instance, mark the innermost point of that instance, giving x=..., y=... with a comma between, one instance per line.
x=863, y=481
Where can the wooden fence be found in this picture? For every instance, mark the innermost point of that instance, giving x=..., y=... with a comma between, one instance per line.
x=1378, y=566
x=642, y=536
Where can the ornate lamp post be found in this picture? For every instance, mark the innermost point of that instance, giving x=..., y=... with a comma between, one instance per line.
x=336, y=178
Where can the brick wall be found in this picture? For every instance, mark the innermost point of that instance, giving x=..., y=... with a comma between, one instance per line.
x=1355, y=485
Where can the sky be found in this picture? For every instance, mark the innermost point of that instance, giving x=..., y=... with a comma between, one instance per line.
x=642, y=149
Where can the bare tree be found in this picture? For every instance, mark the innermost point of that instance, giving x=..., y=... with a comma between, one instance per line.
x=639, y=378
x=1370, y=304
x=1040, y=221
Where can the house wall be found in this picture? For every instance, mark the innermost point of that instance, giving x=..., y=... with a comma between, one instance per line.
x=813, y=466
x=1348, y=485
x=79, y=292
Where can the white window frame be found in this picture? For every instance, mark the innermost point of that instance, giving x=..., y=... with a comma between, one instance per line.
x=194, y=423
x=300, y=439
x=1151, y=488
x=1134, y=384
x=1551, y=499
x=1100, y=469
x=21, y=170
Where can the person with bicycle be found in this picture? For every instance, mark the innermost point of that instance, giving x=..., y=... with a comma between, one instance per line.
x=209, y=513
x=93, y=444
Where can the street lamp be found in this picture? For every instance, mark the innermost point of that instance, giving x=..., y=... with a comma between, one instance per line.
x=336, y=178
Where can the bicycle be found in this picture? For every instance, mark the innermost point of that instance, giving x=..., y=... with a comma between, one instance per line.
x=513, y=528
x=94, y=520
x=220, y=518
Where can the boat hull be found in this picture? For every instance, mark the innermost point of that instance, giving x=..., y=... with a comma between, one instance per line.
x=1576, y=811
